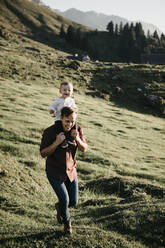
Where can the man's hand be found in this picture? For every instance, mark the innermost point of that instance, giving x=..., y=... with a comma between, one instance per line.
x=74, y=134
x=60, y=138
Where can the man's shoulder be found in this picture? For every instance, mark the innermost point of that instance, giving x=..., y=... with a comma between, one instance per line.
x=56, y=127
x=50, y=129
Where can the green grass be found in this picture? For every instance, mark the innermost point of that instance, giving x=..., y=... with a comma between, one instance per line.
x=121, y=176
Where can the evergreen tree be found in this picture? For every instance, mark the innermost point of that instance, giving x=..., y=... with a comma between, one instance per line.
x=110, y=28
x=162, y=37
x=148, y=34
x=121, y=28
x=116, y=30
x=62, y=31
x=139, y=30
x=124, y=44
x=140, y=37
x=71, y=34
x=85, y=43
x=155, y=35
x=78, y=38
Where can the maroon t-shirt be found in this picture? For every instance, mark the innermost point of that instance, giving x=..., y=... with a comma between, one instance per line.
x=62, y=162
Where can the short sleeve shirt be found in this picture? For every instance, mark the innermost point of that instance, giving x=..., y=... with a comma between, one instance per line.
x=62, y=162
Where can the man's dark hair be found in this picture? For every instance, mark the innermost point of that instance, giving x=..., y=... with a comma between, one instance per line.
x=66, y=111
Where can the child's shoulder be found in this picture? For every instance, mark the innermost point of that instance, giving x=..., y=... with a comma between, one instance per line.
x=71, y=99
x=58, y=99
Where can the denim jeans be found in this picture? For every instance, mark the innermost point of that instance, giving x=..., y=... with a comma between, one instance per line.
x=67, y=193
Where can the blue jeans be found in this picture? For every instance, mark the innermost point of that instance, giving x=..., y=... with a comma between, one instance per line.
x=67, y=193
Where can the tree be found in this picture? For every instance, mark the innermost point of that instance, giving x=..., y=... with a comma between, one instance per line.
x=78, y=38
x=71, y=34
x=121, y=28
x=62, y=31
x=155, y=35
x=148, y=34
x=110, y=28
x=123, y=44
x=162, y=37
x=139, y=30
x=140, y=37
x=116, y=30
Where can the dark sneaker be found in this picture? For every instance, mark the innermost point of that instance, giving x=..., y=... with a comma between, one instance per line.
x=59, y=217
x=68, y=228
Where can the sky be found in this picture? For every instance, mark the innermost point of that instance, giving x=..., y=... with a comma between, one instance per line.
x=150, y=11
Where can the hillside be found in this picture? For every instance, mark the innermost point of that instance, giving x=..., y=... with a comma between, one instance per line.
x=121, y=176
x=24, y=19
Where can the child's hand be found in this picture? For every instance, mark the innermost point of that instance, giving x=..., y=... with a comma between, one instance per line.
x=51, y=111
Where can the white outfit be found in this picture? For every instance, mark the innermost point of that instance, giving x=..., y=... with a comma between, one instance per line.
x=59, y=103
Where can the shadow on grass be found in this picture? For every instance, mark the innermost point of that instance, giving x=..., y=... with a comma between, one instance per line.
x=124, y=188
x=48, y=239
x=139, y=212
x=104, y=85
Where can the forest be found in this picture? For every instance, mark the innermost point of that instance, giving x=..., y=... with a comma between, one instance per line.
x=121, y=43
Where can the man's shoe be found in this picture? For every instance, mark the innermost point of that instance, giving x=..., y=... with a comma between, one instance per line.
x=59, y=217
x=68, y=228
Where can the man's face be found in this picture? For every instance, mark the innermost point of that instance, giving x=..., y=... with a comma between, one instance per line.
x=68, y=122
x=66, y=91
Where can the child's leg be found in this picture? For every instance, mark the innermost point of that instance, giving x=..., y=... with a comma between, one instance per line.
x=58, y=125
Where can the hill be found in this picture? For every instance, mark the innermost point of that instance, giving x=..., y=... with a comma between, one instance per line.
x=100, y=21
x=121, y=176
x=31, y=20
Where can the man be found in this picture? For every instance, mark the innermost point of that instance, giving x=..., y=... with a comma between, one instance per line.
x=61, y=163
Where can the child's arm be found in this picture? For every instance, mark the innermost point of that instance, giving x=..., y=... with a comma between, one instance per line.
x=53, y=107
x=73, y=104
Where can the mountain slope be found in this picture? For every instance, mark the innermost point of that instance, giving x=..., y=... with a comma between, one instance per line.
x=99, y=21
x=32, y=20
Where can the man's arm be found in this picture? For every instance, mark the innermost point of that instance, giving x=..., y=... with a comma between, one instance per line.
x=47, y=151
x=79, y=138
x=82, y=146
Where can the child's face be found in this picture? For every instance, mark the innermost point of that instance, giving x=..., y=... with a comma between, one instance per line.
x=66, y=91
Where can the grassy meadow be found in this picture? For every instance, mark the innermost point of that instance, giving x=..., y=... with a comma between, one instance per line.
x=121, y=176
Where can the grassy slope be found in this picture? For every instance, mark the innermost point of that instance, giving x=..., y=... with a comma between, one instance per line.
x=122, y=183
